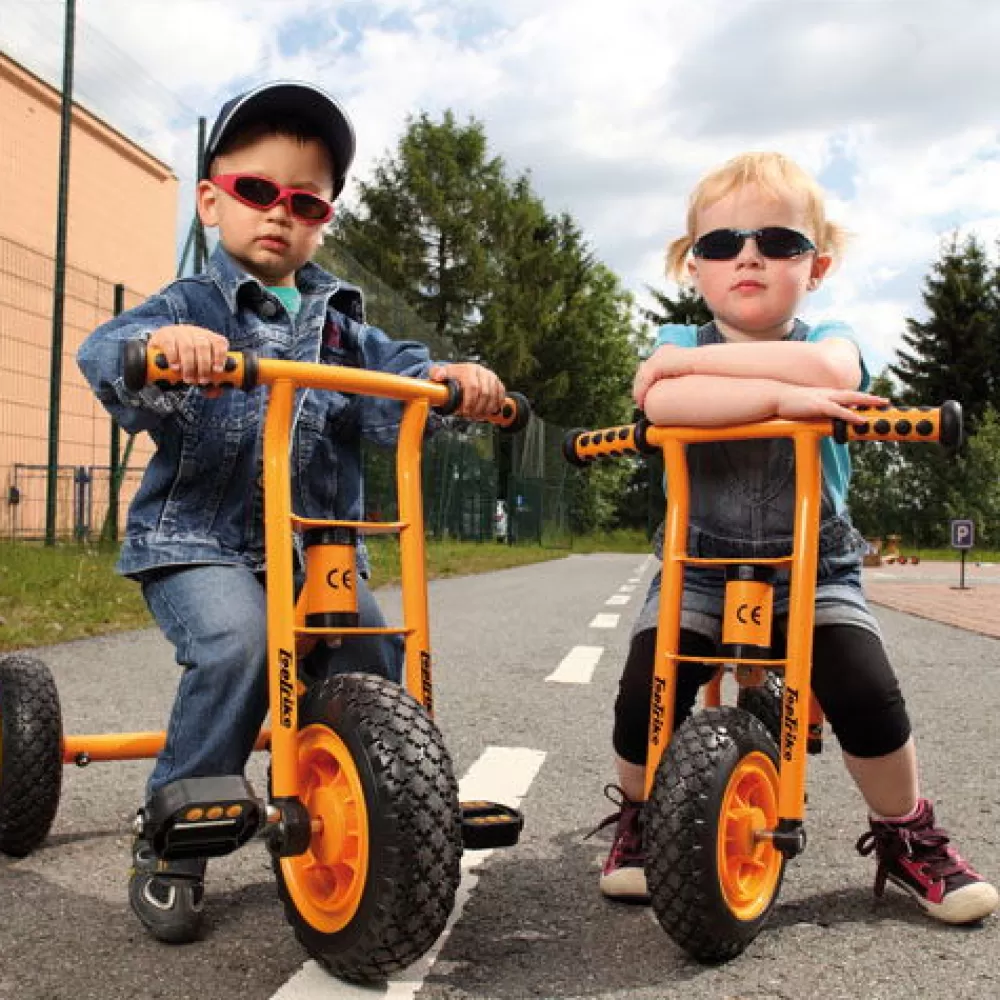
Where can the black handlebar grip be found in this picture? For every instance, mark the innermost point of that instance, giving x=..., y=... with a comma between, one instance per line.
x=454, y=400
x=581, y=447
x=142, y=366
x=514, y=413
x=952, y=426
x=569, y=447
x=916, y=423
x=134, y=364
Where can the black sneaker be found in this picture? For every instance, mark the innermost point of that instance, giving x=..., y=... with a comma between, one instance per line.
x=623, y=877
x=167, y=896
x=918, y=857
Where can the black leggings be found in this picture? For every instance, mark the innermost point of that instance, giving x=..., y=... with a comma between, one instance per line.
x=851, y=678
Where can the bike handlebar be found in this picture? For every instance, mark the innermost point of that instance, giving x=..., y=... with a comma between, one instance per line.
x=245, y=370
x=899, y=423
x=941, y=424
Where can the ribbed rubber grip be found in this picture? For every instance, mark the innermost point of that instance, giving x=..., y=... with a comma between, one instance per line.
x=142, y=366
x=916, y=423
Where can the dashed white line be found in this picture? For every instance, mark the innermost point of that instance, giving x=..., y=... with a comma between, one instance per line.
x=627, y=588
x=618, y=599
x=605, y=621
x=578, y=665
x=503, y=774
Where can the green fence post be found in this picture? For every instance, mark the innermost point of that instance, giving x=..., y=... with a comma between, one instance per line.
x=114, y=477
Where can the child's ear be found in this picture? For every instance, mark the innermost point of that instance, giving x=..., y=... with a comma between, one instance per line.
x=207, y=202
x=821, y=264
x=692, y=270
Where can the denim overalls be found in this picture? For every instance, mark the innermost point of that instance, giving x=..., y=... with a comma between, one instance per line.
x=742, y=505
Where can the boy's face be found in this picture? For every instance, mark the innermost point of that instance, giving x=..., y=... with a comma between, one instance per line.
x=753, y=297
x=271, y=244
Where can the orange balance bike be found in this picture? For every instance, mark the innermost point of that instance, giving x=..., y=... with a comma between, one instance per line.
x=725, y=797
x=362, y=818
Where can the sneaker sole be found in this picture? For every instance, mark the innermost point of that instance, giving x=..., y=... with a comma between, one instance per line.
x=964, y=906
x=180, y=924
x=626, y=885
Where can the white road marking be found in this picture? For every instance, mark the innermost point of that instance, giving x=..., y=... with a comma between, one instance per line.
x=618, y=599
x=577, y=666
x=633, y=579
x=605, y=621
x=503, y=774
x=627, y=588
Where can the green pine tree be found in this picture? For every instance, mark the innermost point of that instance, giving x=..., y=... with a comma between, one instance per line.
x=953, y=353
x=687, y=308
x=423, y=222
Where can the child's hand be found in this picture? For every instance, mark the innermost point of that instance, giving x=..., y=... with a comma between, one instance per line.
x=800, y=402
x=196, y=353
x=668, y=361
x=482, y=392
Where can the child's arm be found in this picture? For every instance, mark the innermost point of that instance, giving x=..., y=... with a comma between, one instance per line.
x=482, y=392
x=830, y=357
x=717, y=401
x=157, y=321
x=832, y=363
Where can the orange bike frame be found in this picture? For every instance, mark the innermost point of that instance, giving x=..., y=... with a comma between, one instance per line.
x=284, y=622
x=802, y=563
x=800, y=711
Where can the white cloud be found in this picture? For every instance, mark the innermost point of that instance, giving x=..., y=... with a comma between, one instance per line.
x=616, y=110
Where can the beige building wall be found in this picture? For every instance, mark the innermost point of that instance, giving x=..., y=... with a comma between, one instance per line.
x=121, y=228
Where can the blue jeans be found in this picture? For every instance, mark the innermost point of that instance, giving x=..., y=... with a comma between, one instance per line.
x=216, y=616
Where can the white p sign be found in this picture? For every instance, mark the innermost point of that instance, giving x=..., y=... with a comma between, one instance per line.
x=963, y=534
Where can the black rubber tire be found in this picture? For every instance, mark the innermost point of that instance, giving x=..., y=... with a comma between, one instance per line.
x=681, y=831
x=31, y=764
x=414, y=829
x=765, y=703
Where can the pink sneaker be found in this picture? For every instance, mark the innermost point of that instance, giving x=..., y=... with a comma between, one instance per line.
x=623, y=877
x=917, y=857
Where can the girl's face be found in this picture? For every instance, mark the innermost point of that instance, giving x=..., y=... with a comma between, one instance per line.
x=753, y=297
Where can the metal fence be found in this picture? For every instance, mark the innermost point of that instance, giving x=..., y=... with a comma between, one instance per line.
x=84, y=501
x=477, y=486
x=26, y=281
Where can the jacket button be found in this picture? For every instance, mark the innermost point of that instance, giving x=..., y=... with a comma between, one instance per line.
x=268, y=309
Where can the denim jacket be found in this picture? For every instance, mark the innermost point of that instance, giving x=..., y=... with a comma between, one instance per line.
x=200, y=500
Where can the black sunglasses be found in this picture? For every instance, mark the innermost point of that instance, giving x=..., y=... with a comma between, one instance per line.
x=774, y=242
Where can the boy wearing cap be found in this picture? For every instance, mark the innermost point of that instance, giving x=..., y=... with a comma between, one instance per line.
x=276, y=159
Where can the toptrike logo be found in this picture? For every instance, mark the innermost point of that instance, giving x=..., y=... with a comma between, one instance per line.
x=286, y=688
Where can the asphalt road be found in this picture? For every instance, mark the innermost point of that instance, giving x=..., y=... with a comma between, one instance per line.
x=534, y=924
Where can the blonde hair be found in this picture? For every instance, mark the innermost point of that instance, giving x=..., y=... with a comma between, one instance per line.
x=774, y=174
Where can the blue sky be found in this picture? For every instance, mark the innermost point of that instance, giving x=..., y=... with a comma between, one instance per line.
x=615, y=111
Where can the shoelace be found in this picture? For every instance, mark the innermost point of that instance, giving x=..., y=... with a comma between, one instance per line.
x=628, y=844
x=928, y=845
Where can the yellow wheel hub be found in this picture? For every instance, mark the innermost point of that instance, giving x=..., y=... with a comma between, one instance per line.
x=327, y=882
x=749, y=868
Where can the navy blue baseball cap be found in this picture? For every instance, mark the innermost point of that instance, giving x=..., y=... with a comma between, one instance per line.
x=301, y=101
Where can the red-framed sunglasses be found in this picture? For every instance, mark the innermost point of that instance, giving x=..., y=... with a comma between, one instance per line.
x=262, y=194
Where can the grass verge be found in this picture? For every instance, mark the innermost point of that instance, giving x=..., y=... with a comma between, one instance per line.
x=50, y=595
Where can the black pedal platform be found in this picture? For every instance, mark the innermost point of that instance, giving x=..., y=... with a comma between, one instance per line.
x=490, y=824
x=202, y=817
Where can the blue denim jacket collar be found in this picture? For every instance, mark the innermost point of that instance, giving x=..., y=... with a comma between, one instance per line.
x=231, y=279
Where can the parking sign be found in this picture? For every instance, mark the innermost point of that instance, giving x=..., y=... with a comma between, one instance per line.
x=963, y=534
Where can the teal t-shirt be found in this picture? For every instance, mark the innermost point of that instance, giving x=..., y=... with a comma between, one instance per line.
x=291, y=298
x=836, y=457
